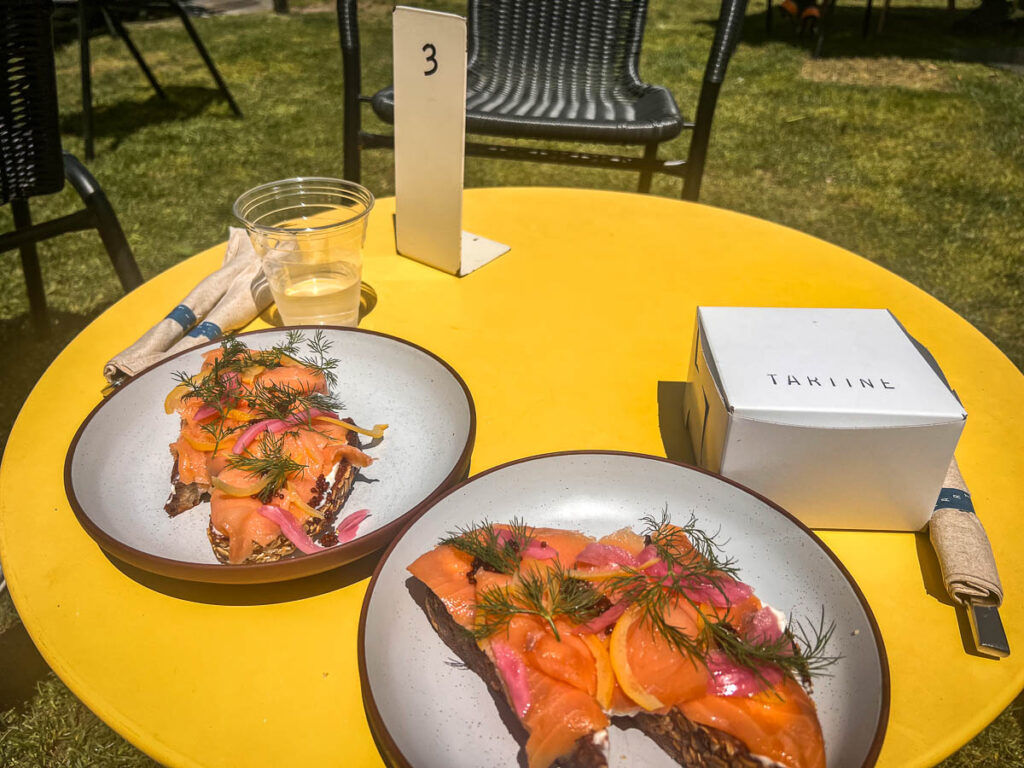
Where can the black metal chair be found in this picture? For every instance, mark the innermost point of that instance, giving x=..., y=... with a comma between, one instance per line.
x=31, y=160
x=110, y=10
x=825, y=13
x=562, y=70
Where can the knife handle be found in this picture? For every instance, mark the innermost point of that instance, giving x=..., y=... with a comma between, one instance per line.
x=987, y=628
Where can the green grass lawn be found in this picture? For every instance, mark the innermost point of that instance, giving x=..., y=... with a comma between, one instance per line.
x=895, y=147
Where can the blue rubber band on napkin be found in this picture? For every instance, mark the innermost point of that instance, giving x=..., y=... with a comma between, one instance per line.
x=954, y=498
x=207, y=329
x=183, y=316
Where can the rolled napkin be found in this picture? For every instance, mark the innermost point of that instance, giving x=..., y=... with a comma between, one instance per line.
x=964, y=553
x=247, y=296
x=223, y=301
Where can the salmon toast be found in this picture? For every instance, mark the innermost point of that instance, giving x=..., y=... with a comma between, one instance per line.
x=262, y=441
x=649, y=630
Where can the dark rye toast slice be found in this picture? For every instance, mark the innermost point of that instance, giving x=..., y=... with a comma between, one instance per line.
x=686, y=742
x=329, y=501
x=690, y=743
x=184, y=496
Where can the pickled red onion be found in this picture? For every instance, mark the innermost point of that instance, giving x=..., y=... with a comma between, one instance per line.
x=761, y=626
x=250, y=433
x=513, y=673
x=647, y=554
x=290, y=528
x=276, y=425
x=605, y=620
x=720, y=592
x=539, y=550
x=309, y=415
x=350, y=525
x=658, y=570
x=205, y=412
x=730, y=679
x=606, y=554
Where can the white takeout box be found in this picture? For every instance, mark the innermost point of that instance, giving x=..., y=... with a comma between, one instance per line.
x=837, y=415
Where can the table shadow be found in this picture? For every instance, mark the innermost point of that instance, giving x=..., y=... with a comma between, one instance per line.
x=674, y=436
x=253, y=594
x=931, y=578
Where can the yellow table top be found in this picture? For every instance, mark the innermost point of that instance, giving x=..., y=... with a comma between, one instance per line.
x=592, y=307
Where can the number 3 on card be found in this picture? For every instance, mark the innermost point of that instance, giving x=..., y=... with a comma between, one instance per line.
x=431, y=58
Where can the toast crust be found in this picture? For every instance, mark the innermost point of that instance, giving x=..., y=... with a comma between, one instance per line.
x=320, y=530
x=184, y=496
x=691, y=744
x=329, y=499
x=588, y=752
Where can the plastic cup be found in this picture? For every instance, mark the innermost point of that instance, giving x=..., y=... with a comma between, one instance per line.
x=309, y=233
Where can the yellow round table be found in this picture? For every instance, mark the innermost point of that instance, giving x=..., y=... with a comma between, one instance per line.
x=563, y=342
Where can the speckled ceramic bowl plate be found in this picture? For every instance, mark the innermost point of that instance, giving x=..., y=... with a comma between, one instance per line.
x=428, y=712
x=117, y=472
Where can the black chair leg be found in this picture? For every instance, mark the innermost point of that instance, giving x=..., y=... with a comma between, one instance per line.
x=348, y=36
x=86, y=66
x=30, y=266
x=867, y=21
x=768, y=18
x=647, y=171
x=118, y=27
x=826, y=16
x=221, y=85
x=105, y=220
x=352, y=167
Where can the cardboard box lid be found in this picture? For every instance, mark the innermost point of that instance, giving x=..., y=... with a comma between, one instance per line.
x=843, y=368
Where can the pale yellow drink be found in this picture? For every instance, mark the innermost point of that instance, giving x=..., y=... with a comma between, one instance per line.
x=329, y=299
x=309, y=234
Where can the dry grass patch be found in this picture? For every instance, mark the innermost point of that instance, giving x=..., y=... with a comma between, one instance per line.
x=874, y=72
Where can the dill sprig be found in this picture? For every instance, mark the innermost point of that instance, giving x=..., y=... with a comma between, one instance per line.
x=210, y=388
x=319, y=358
x=801, y=658
x=268, y=461
x=222, y=381
x=654, y=601
x=688, y=546
x=219, y=430
x=548, y=595
x=290, y=346
x=498, y=549
x=696, y=558
x=281, y=401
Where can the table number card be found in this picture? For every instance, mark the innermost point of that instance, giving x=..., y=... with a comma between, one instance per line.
x=430, y=136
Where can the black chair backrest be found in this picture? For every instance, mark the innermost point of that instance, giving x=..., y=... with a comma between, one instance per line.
x=30, y=149
x=592, y=41
x=727, y=36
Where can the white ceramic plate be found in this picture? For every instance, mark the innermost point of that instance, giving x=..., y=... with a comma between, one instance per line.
x=117, y=472
x=428, y=712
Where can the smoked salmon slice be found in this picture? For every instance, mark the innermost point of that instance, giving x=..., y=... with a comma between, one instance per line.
x=685, y=642
x=261, y=439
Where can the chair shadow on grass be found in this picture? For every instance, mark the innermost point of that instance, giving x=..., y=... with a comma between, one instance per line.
x=120, y=120
x=911, y=32
x=21, y=668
